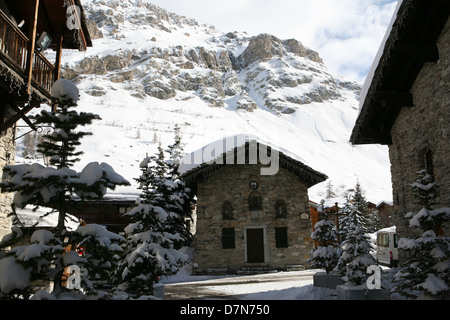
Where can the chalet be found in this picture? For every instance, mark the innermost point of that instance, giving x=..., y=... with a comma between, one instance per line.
x=27, y=29
x=405, y=102
x=248, y=219
x=385, y=210
x=108, y=211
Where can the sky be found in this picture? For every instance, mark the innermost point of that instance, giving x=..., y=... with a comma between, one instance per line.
x=346, y=33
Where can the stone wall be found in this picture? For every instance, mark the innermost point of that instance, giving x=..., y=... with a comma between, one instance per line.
x=7, y=156
x=420, y=130
x=231, y=184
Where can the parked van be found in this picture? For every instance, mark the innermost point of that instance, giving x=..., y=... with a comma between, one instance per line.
x=387, y=251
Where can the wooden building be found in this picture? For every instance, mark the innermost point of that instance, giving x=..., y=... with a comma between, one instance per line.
x=108, y=211
x=27, y=29
x=247, y=220
x=405, y=103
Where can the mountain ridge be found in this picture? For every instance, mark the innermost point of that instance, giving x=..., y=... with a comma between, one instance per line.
x=150, y=69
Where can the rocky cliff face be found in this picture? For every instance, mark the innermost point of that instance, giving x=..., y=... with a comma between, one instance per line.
x=228, y=69
x=150, y=69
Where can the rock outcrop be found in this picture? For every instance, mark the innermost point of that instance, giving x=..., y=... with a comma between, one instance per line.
x=228, y=70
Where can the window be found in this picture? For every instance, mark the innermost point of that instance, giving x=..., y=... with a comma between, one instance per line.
x=228, y=238
x=254, y=185
x=383, y=239
x=281, y=239
x=280, y=209
x=254, y=201
x=124, y=209
x=227, y=210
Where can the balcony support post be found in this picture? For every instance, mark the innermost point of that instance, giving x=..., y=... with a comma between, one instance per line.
x=31, y=46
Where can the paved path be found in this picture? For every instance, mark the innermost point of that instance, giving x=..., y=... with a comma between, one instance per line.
x=220, y=287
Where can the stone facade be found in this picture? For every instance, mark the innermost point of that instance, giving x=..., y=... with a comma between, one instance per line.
x=7, y=156
x=236, y=218
x=421, y=135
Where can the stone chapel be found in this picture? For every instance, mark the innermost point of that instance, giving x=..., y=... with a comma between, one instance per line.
x=250, y=221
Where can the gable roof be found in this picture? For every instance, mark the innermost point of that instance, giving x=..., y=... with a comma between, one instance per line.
x=193, y=171
x=409, y=43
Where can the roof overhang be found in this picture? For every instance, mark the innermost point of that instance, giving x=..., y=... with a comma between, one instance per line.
x=234, y=156
x=410, y=44
x=52, y=19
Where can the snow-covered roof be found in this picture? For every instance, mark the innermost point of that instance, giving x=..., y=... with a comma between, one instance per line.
x=233, y=150
x=377, y=59
x=43, y=218
x=388, y=229
x=395, y=68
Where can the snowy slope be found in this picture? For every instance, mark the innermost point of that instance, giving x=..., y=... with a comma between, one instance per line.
x=153, y=69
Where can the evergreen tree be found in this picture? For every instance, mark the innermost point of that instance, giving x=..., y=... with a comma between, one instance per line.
x=326, y=253
x=150, y=251
x=344, y=216
x=41, y=260
x=152, y=179
x=54, y=187
x=359, y=201
x=427, y=270
x=176, y=150
x=98, y=252
x=355, y=257
x=179, y=196
x=356, y=202
x=373, y=221
x=329, y=192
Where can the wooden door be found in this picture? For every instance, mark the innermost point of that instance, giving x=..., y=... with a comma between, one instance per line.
x=255, y=245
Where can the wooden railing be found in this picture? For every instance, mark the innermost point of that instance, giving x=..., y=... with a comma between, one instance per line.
x=13, y=43
x=43, y=71
x=13, y=48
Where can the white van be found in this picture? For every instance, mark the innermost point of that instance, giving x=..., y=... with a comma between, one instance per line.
x=387, y=251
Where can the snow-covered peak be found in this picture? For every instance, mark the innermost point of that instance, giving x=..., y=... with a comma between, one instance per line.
x=150, y=69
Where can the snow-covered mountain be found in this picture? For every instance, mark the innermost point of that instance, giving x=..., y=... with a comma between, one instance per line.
x=150, y=69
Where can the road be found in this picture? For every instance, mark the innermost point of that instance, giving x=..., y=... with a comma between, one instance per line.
x=235, y=287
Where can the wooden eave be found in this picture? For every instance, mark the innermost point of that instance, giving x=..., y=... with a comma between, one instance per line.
x=53, y=19
x=26, y=79
x=307, y=175
x=410, y=45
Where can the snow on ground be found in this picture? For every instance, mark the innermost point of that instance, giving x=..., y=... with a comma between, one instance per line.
x=292, y=285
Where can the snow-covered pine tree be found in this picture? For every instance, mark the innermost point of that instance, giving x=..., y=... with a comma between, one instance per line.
x=54, y=187
x=359, y=201
x=176, y=150
x=427, y=270
x=373, y=221
x=179, y=196
x=329, y=191
x=23, y=265
x=344, y=216
x=151, y=180
x=355, y=257
x=325, y=254
x=150, y=251
x=99, y=252
x=355, y=202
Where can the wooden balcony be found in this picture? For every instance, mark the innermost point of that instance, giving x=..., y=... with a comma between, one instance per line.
x=14, y=51
x=26, y=76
